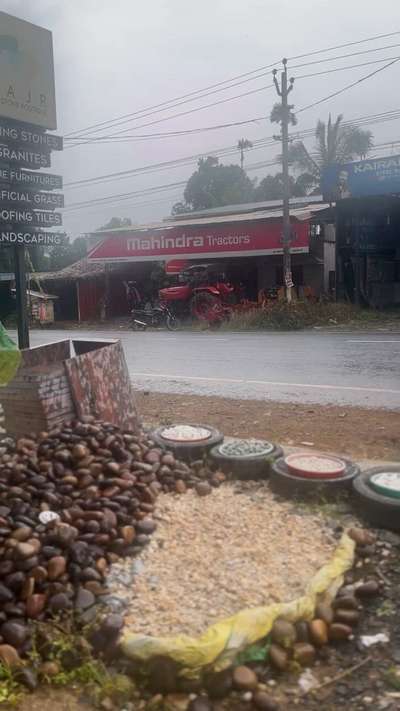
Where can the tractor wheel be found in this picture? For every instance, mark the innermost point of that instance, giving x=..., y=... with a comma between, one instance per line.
x=207, y=307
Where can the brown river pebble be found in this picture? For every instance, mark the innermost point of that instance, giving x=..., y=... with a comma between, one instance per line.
x=213, y=556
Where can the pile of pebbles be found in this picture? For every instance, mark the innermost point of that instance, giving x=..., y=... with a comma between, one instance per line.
x=236, y=549
x=103, y=484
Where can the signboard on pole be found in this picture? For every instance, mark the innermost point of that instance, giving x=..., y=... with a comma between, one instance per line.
x=27, y=109
x=364, y=178
x=15, y=176
x=25, y=157
x=30, y=198
x=31, y=218
x=26, y=135
x=25, y=238
x=27, y=91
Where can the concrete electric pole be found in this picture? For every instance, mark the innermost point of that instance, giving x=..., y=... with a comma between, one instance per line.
x=283, y=91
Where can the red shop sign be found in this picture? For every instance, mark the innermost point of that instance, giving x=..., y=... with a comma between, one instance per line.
x=236, y=239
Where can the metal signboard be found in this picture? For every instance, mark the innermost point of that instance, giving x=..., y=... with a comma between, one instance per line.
x=28, y=135
x=17, y=177
x=25, y=238
x=27, y=90
x=198, y=242
x=30, y=198
x=33, y=218
x=25, y=156
x=364, y=178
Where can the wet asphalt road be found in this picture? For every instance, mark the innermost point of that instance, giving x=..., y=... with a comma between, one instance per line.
x=346, y=368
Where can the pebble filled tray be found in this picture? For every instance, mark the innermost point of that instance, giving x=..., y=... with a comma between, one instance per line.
x=213, y=556
x=315, y=466
x=386, y=483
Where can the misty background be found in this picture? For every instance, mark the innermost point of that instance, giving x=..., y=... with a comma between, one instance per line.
x=116, y=58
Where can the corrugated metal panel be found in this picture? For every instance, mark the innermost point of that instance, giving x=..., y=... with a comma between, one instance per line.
x=239, y=208
x=91, y=291
x=302, y=213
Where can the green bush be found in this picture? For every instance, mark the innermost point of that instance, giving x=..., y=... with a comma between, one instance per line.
x=298, y=315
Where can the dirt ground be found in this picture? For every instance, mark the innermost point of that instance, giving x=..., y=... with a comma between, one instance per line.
x=47, y=699
x=355, y=432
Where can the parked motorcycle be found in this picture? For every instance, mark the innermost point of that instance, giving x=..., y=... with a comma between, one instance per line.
x=154, y=317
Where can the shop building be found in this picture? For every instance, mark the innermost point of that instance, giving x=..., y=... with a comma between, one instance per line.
x=367, y=195
x=245, y=239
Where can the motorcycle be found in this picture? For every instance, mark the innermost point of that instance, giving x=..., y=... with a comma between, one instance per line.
x=154, y=317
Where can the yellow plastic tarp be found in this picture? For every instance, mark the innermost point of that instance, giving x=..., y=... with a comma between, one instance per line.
x=218, y=646
x=10, y=357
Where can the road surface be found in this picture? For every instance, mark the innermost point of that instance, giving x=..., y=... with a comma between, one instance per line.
x=325, y=367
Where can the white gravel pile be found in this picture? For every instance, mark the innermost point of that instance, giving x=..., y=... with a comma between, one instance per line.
x=212, y=556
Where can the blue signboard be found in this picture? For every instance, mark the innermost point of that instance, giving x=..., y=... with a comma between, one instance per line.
x=377, y=176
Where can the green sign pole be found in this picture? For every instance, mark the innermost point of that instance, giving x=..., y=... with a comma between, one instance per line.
x=21, y=297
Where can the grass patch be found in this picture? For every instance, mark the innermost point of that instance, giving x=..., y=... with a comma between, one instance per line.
x=73, y=667
x=10, y=691
x=392, y=677
x=303, y=314
x=387, y=609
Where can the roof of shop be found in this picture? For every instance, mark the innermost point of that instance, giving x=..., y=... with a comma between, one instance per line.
x=247, y=207
x=304, y=212
x=38, y=295
x=82, y=269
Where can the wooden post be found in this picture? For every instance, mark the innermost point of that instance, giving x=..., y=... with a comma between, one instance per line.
x=357, y=259
x=21, y=297
x=78, y=301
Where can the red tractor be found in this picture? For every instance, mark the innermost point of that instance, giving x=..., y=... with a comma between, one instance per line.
x=202, y=292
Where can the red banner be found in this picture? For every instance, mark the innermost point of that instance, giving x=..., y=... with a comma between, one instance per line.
x=236, y=239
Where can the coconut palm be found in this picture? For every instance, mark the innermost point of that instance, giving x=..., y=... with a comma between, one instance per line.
x=336, y=142
x=243, y=145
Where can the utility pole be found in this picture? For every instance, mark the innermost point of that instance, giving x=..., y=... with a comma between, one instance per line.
x=283, y=91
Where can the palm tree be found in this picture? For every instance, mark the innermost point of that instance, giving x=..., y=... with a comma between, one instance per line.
x=243, y=145
x=335, y=143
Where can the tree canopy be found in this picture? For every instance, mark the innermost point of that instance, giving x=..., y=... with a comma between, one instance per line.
x=215, y=185
x=115, y=222
x=271, y=187
x=336, y=142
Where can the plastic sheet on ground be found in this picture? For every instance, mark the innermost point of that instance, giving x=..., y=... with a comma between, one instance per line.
x=218, y=646
x=10, y=357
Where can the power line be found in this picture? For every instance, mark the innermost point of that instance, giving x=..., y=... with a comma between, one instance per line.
x=221, y=101
x=97, y=140
x=121, y=197
x=166, y=198
x=341, y=46
x=189, y=111
x=349, y=86
x=393, y=114
x=350, y=66
x=124, y=196
x=198, y=92
x=343, y=56
x=168, y=134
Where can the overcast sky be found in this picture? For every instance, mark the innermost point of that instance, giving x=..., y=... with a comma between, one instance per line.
x=116, y=57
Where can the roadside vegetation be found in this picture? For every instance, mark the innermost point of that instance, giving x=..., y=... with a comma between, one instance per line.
x=303, y=314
